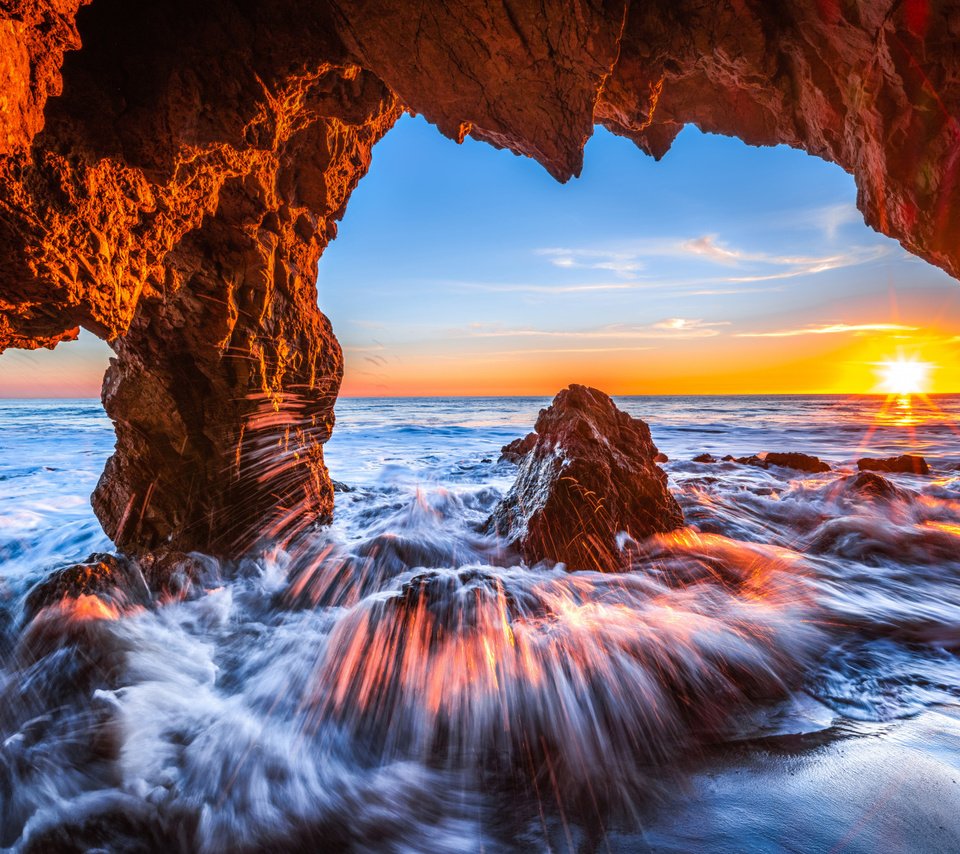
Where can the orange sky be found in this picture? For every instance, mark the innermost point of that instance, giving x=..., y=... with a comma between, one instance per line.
x=798, y=365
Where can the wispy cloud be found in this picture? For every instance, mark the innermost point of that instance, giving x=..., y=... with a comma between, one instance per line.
x=626, y=264
x=669, y=328
x=520, y=287
x=829, y=219
x=373, y=348
x=830, y=329
x=529, y=350
x=709, y=249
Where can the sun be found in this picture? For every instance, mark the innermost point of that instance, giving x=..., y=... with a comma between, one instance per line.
x=903, y=377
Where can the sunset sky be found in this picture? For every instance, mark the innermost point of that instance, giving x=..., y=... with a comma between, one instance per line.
x=721, y=269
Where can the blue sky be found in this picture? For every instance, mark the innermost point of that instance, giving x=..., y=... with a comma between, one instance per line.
x=458, y=264
x=464, y=269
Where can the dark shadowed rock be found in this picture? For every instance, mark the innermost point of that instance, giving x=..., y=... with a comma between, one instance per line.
x=704, y=458
x=904, y=464
x=516, y=450
x=588, y=476
x=800, y=462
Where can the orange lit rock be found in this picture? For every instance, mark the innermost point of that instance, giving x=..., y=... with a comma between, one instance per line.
x=171, y=172
x=100, y=587
x=589, y=477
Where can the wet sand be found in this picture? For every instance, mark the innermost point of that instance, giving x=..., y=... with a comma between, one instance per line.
x=855, y=789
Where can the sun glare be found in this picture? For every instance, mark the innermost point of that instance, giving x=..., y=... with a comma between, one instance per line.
x=903, y=376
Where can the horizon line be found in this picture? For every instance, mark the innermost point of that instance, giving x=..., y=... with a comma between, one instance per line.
x=553, y=394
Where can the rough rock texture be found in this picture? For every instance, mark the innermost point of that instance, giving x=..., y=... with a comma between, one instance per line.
x=589, y=476
x=904, y=464
x=177, y=202
x=122, y=582
x=170, y=173
x=114, y=580
x=515, y=451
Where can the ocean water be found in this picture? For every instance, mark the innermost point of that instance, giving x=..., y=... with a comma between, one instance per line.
x=399, y=682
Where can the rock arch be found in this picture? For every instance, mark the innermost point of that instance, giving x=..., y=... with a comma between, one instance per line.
x=171, y=172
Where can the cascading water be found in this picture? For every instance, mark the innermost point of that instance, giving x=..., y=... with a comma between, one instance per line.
x=397, y=682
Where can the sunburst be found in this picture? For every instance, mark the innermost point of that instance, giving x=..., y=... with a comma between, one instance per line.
x=904, y=376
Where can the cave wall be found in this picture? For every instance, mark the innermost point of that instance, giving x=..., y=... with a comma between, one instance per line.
x=170, y=173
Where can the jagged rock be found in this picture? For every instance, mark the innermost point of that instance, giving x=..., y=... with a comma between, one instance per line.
x=661, y=458
x=170, y=173
x=705, y=458
x=515, y=451
x=113, y=579
x=904, y=464
x=789, y=460
x=122, y=581
x=589, y=476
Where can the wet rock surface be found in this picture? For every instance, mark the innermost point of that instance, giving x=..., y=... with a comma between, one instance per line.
x=112, y=579
x=515, y=451
x=873, y=486
x=787, y=460
x=121, y=582
x=904, y=464
x=170, y=174
x=589, y=477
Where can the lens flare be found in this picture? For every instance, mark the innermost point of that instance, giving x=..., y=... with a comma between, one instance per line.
x=903, y=376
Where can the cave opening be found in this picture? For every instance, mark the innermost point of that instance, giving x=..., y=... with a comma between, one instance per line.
x=464, y=271
x=723, y=268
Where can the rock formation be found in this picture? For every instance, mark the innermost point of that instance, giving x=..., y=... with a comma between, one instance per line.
x=872, y=486
x=121, y=582
x=114, y=581
x=589, y=477
x=515, y=451
x=789, y=460
x=171, y=172
x=904, y=464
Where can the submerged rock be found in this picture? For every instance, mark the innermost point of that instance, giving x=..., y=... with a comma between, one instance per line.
x=904, y=464
x=586, y=475
x=800, y=462
x=121, y=582
x=870, y=485
x=789, y=460
x=704, y=458
x=113, y=579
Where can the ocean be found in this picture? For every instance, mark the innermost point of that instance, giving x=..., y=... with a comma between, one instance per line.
x=782, y=675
